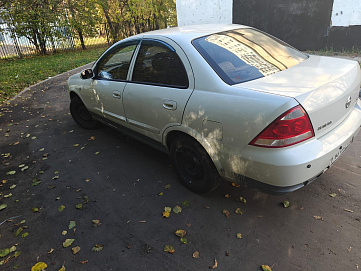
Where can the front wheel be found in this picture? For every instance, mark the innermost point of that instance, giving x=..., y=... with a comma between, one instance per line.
x=81, y=115
x=193, y=165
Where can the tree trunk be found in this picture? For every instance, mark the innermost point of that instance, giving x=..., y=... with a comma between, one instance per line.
x=111, y=27
x=80, y=33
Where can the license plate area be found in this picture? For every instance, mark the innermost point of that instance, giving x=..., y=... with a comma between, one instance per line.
x=341, y=149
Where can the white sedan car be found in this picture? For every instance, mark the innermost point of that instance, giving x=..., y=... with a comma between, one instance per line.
x=226, y=101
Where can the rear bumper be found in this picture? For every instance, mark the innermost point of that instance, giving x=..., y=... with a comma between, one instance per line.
x=287, y=169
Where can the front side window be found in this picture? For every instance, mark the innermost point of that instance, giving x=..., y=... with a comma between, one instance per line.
x=115, y=64
x=158, y=63
x=246, y=54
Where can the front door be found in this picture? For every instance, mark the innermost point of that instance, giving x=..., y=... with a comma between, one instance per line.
x=103, y=94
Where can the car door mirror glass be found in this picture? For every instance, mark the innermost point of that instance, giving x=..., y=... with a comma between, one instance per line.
x=86, y=74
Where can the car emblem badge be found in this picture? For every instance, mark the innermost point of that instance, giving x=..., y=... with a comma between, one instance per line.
x=348, y=102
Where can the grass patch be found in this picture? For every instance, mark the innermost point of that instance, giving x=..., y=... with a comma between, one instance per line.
x=17, y=74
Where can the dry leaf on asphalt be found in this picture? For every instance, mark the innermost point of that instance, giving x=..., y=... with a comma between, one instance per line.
x=166, y=212
x=196, y=255
x=68, y=242
x=266, y=268
x=180, y=233
x=169, y=249
x=62, y=268
x=39, y=266
x=75, y=250
x=215, y=265
x=239, y=211
x=72, y=224
x=4, y=252
x=177, y=209
x=19, y=230
x=226, y=212
x=241, y=199
x=97, y=248
x=96, y=222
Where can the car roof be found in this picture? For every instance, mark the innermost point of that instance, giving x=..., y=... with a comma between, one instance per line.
x=190, y=32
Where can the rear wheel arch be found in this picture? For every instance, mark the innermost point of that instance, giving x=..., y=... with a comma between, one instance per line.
x=181, y=131
x=193, y=164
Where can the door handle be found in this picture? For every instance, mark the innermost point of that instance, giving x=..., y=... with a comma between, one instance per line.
x=116, y=94
x=169, y=104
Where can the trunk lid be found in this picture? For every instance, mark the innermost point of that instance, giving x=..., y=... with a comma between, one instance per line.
x=327, y=88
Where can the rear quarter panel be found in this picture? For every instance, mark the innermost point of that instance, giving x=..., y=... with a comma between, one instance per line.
x=227, y=119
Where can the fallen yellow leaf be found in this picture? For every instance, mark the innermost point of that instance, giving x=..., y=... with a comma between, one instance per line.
x=169, y=249
x=39, y=266
x=75, y=250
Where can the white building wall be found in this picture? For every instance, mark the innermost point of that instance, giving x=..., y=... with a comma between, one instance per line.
x=191, y=12
x=346, y=13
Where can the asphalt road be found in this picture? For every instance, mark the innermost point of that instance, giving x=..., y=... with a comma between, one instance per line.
x=118, y=180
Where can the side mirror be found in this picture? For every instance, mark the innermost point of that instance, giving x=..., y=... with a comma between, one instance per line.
x=86, y=74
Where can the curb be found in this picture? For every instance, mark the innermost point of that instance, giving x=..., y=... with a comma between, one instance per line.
x=41, y=82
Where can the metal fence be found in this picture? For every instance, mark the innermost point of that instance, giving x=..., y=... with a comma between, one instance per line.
x=13, y=46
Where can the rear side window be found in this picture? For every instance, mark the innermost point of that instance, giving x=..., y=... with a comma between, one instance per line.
x=246, y=54
x=115, y=64
x=158, y=63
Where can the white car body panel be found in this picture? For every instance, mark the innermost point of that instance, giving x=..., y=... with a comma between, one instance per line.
x=224, y=119
x=152, y=109
x=285, y=167
x=319, y=84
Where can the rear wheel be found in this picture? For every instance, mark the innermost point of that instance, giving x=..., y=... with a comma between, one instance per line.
x=81, y=115
x=193, y=165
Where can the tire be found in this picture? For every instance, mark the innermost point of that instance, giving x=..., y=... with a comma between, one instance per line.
x=81, y=115
x=193, y=165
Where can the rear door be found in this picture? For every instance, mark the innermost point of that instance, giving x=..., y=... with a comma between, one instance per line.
x=160, y=86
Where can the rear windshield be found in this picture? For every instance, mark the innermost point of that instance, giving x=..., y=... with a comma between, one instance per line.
x=246, y=54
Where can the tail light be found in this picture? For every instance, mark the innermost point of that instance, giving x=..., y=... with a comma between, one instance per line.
x=291, y=128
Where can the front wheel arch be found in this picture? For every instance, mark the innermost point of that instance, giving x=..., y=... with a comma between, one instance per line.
x=80, y=113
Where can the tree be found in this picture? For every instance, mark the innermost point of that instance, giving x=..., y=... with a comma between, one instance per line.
x=128, y=17
x=82, y=17
x=33, y=19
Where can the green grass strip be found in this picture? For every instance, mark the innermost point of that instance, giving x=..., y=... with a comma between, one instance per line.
x=17, y=74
